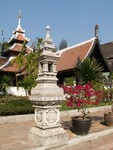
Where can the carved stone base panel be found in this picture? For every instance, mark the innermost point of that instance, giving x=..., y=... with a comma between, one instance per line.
x=47, y=117
x=48, y=137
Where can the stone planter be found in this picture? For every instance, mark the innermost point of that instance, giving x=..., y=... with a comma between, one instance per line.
x=108, y=119
x=81, y=126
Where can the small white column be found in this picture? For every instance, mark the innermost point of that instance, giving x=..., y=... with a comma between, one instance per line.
x=54, y=67
x=40, y=68
x=45, y=67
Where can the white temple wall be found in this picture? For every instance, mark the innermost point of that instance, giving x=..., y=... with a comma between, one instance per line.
x=16, y=91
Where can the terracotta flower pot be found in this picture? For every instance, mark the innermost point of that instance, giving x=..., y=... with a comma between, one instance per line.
x=108, y=119
x=81, y=126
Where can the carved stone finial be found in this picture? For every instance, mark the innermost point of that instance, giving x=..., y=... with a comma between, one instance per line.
x=19, y=17
x=96, y=30
x=48, y=42
x=48, y=37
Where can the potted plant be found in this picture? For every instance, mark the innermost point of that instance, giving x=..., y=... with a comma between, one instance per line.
x=108, y=115
x=82, y=97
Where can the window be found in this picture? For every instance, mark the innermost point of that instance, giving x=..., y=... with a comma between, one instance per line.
x=50, y=69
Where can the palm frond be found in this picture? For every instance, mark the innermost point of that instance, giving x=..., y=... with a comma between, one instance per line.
x=89, y=71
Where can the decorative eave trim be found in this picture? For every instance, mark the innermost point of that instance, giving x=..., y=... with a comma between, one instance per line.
x=11, y=47
x=68, y=48
x=29, y=48
x=9, y=60
x=16, y=35
x=92, y=45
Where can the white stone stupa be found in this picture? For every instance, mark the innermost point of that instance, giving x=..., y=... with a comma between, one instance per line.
x=46, y=98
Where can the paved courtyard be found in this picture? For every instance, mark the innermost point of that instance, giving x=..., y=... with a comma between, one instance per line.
x=14, y=136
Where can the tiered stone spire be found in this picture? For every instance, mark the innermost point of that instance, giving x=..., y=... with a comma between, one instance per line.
x=48, y=42
x=46, y=97
x=48, y=59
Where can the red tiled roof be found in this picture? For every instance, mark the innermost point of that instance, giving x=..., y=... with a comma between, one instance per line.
x=20, y=30
x=3, y=60
x=20, y=37
x=10, y=68
x=28, y=49
x=69, y=57
x=18, y=47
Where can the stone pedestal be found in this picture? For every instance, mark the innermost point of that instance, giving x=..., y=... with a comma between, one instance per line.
x=48, y=137
x=47, y=130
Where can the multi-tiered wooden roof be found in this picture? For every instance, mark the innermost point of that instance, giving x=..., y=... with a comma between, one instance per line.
x=16, y=44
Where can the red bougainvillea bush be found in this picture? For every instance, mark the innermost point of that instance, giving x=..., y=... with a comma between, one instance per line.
x=82, y=97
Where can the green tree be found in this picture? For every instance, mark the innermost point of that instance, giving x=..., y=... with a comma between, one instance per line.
x=90, y=70
x=3, y=46
x=29, y=64
x=69, y=81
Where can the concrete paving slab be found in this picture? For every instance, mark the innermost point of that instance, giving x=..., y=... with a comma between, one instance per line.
x=14, y=136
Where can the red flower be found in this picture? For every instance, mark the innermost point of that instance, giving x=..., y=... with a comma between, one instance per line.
x=70, y=104
x=78, y=104
x=82, y=97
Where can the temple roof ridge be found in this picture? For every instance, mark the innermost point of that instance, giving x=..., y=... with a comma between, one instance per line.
x=74, y=46
x=15, y=36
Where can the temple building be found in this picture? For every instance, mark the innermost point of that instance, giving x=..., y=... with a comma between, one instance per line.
x=68, y=57
x=16, y=43
x=87, y=49
x=107, y=50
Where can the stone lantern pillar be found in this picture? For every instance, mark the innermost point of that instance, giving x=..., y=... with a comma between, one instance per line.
x=46, y=98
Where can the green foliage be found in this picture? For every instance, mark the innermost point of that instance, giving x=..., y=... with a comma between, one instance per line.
x=29, y=63
x=69, y=81
x=4, y=83
x=102, y=103
x=89, y=71
x=111, y=75
x=108, y=95
x=6, y=45
x=13, y=105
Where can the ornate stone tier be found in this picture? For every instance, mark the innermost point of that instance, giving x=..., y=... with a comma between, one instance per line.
x=46, y=99
x=46, y=92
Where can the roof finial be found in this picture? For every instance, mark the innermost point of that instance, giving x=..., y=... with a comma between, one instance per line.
x=96, y=30
x=19, y=17
x=47, y=38
x=48, y=42
x=2, y=52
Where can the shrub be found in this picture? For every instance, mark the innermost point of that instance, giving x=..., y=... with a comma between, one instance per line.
x=13, y=105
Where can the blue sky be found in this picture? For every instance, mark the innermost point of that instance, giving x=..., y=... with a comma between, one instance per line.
x=72, y=20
